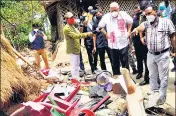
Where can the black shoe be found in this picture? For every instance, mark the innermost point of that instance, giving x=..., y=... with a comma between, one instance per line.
x=175, y=83
x=173, y=70
x=143, y=83
x=139, y=76
x=134, y=71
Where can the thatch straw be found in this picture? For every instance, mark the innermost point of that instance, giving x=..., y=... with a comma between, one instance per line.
x=13, y=79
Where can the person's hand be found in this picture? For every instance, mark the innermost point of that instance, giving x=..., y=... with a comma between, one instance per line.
x=107, y=37
x=129, y=35
x=89, y=34
x=143, y=42
x=134, y=32
x=173, y=54
x=94, y=50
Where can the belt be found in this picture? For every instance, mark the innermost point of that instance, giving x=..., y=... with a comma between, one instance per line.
x=157, y=53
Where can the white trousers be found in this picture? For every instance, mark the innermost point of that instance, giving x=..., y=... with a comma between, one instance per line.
x=74, y=63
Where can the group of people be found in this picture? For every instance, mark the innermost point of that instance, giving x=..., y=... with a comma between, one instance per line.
x=150, y=32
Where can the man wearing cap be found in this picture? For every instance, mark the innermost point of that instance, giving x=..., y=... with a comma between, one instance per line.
x=159, y=32
x=37, y=37
x=118, y=25
x=73, y=37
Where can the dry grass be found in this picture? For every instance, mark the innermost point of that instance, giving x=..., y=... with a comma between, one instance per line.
x=13, y=79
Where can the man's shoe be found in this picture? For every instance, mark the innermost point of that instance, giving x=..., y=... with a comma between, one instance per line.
x=173, y=70
x=134, y=71
x=144, y=83
x=139, y=76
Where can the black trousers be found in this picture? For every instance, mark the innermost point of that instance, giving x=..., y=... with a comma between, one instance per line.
x=92, y=58
x=141, y=56
x=119, y=56
x=81, y=65
x=101, y=53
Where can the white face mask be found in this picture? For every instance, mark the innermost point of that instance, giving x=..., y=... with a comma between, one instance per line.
x=35, y=30
x=150, y=18
x=114, y=14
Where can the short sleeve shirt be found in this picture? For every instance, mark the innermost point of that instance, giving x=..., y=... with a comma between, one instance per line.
x=157, y=36
x=117, y=29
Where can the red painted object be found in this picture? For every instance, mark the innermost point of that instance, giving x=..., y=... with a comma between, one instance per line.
x=89, y=112
x=45, y=71
x=64, y=106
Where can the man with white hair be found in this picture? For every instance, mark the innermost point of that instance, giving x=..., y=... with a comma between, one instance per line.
x=90, y=13
x=118, y=25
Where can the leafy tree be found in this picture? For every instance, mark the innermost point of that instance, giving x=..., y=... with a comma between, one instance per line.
x=17, y=19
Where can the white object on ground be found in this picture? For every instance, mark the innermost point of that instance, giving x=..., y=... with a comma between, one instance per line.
x=34, y=106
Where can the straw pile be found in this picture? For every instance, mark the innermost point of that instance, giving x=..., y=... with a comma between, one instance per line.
x=13, y=79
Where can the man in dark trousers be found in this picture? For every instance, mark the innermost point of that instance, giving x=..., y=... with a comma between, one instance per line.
x=88, y=42
x=100, y=41
x=140, y=48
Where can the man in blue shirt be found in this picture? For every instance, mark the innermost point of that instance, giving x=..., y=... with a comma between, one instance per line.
x=37, y=37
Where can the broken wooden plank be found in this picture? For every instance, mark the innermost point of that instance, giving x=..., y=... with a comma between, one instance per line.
x=134, y=97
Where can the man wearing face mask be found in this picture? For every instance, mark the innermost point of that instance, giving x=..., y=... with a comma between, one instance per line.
x=165, y=9
x=140, y=48
x=100, y=41
x=118, y=25
x=37, y=37
x=73, y=37
x=159, y=32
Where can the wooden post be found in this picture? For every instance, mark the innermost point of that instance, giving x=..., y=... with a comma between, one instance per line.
x=134, y=97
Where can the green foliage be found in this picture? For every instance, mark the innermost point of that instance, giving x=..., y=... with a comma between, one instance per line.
x=21, y=14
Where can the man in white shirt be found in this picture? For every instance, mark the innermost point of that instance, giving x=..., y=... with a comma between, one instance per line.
x=37, y=37
x=118, y=25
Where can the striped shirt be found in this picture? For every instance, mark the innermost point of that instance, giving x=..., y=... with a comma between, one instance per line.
x=157, y=35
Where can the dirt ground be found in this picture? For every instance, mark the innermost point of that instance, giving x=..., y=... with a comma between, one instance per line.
x=64, y=58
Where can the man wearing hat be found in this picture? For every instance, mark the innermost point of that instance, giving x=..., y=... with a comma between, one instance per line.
x=73, y=37
x=37, y=37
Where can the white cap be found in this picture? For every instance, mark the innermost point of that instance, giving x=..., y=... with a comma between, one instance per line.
x=114, y=4
x=68, y=15
x=90, y=8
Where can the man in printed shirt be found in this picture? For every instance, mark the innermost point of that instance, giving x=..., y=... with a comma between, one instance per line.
x=37, y=37
x=159, y=32
x=118, y=25
x=73, y=37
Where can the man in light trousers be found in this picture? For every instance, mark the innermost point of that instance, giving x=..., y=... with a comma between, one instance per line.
x=159, y=32
x=73, y=37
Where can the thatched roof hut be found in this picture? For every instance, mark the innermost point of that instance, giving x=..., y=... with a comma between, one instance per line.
x=13, y=82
